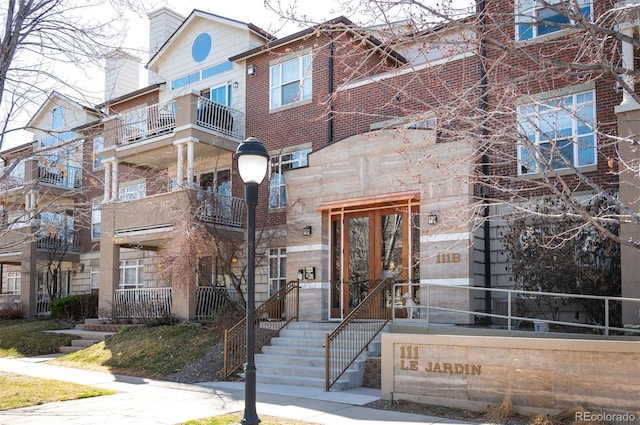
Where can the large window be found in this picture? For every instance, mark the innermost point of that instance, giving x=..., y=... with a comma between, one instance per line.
x=94, y=282
x=280, y=163
x=277, y=269
x=131, y=274
x=559, y=133
x=132, y=190
x=535, y=18
x=291, y=81
x=13, y=283
x=57, y=118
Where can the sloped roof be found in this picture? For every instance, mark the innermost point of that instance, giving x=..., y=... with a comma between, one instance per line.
x=340, y=21
x=54, y=94
x=211, y=17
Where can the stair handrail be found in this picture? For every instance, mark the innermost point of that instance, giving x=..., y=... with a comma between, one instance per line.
x=270, y=318
x=354, y=334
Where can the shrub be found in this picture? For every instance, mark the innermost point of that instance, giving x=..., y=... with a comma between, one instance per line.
x=12, y=312
x=75, y=307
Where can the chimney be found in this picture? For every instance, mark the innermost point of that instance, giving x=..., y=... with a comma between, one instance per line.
x=162, y=24
x=122, y=73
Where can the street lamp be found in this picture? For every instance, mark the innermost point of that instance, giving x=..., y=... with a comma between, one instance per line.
x=252, y=159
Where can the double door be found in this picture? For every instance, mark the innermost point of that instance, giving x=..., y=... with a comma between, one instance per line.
x=368, y=247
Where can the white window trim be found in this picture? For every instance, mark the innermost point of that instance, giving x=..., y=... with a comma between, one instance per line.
x=527, y=15
x=540, y=99
x=97, y=165
x=279, y=256
x=14, y=281
x=97, y=206
x=136, y=265
x=278, y=166
x=94, y=278
x=301, y=76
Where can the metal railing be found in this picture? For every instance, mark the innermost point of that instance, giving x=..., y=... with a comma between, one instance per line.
x=144, y=123
x=222, y=209
x=356, y=331
x=513, y=297
x=270, y=318
x=12, y=178
x=67, y=176
x=59, y=243
x=211, y=299
x=9, y=299
x=142, y=303
x=42, y=305
x=220, y=118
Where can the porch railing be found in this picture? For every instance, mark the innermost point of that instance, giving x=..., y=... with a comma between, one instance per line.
x=147, y=122
x=357, y=330
x=12, y=178
x=270, y=318
x=220, y=118
x=222, y=209
x=67, y=176
x=211, y=299
x=142, y=303
x=42, y=305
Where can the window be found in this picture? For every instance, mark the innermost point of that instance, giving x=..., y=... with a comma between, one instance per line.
x=94, y=280
x=57, y=225
x=132, y=190
x=131, y=274
x=559, y=133
x=98, y=147
x=14, y=280
x=535, y=18
x=291, y=81
x=221, y=95
x=57, y=118
x=96, y=220
x=201, y=47
x=277, y=269
x=277, y=191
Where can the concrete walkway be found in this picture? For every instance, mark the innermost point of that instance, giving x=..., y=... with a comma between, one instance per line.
x=149, y=402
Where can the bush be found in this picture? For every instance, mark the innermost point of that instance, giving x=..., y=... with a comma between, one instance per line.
x=75, y=307
x=12, y=312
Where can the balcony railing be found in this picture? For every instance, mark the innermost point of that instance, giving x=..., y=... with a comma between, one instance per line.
x=11, y=179
x=220, y=118
x=222, y=209
x=65, y=176
x=9, y=299
x=147, y=122
x=142, y=303
x=59, y=243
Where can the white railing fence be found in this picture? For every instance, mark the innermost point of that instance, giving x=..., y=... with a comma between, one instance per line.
x=42, y=305
x=147, y=122
x=142, y=303
x=9, y=299
x=211, y=299
x=220, y=118
x=435, y=299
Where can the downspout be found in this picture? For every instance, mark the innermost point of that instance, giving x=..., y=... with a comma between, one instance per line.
x=485, y=194
x=330, y=96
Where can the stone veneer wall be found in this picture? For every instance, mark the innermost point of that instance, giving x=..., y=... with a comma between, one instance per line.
x=542, y=375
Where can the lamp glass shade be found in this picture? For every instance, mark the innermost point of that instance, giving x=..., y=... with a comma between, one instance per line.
x=252, y=168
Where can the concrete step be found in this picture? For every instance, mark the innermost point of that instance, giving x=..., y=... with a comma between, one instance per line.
x=304, y=381
x=83, y=343
x=68, y=349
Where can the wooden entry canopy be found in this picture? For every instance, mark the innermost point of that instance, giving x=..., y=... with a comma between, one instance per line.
x=366, y=202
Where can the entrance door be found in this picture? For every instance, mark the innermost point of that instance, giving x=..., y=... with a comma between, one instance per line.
x=368, y=247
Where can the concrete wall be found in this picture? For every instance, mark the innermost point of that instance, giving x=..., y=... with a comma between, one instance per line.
x=542, y=375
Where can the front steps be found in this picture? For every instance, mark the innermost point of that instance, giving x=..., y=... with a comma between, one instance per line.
x=297, y=357
x=86, y=338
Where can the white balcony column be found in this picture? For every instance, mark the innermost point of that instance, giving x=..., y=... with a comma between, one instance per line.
x=180, y=166
x=107, y=182
x=190, y=162
x=33, y=203
x=627, y=63
x=114, y=181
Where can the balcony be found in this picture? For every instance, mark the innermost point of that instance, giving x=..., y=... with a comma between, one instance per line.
x=69, y=177
x=160, y=119
x=222, y=209
x=12, y=178
x=59, y=244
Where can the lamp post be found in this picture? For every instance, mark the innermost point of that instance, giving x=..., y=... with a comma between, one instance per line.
x=252, y=159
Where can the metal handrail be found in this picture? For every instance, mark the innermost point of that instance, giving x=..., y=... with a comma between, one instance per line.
x=354, y=334
x=270, y=318
x=510, y=317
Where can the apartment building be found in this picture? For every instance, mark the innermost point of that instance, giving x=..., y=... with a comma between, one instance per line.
x=375, y=155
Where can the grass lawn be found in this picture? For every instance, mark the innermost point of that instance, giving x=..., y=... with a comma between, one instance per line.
x=24, y=338
x=22, y=391
x=234, y=418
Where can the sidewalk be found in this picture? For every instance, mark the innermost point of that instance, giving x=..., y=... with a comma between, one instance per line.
x=144, y=401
